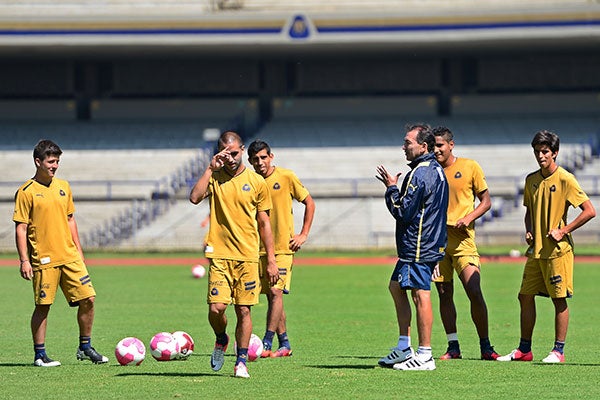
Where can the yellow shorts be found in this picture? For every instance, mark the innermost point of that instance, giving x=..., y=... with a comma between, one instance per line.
x=73, y=279
x=233, y=282
x=284, y=263
x=461, y=251
x=549, y=277
x=449, y=264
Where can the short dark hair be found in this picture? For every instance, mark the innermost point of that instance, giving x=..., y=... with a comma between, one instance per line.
x=257, y=146
x=444, y=132
x=45, y=148
x=547, y=138
x=424, y=134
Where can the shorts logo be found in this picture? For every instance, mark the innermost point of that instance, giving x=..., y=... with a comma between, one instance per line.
x=42, y=295
x=85, y=280
x=214, y=291
x=458, y=175
x=249, y=285
x=62, y=192
x=556, y=279
x=276, y=186
x=246, y=188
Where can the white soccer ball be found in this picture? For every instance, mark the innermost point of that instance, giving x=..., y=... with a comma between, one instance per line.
x=198, y=271
x=186, y=344
x=164, y=347
x=130, y=351
x=255, y=347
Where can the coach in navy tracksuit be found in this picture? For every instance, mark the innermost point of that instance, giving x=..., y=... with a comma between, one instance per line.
x=419, y=208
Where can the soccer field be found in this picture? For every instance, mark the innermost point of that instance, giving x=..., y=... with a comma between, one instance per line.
x=340, y=322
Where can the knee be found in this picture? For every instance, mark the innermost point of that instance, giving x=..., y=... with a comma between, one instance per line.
x=87, y=303
x=242, y=312
x=217, y=308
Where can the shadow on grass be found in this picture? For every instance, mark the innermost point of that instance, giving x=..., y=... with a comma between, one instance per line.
x=558, y=365
x=171, y=374
x=344, y=366
x=17, y=365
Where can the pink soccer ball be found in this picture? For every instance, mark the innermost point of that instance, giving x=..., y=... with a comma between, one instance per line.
x=130, y=351
x=164, y=347
x=186, y=344
x=198, y=271
x=255, y=347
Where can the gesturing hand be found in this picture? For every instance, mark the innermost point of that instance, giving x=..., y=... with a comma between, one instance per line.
x=385, y=177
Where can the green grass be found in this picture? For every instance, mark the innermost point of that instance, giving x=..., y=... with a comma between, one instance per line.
x=340, y=321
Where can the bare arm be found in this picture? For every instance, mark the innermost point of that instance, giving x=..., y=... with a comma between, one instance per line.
x=75, y=233
x=485, y=203
x=309, y=212
x=587, y=212
x=21, y=242
x=528, y=232
x=200, y=190
x=266, y=235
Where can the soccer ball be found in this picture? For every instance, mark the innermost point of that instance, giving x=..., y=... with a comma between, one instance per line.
x=198, y=271
x=255, y=347
x=186, y=344
x=130, y=351
x=164, y=347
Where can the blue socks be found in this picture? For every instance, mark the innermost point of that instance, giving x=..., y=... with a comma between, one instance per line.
x=222, y=338
x=40, y=350
x=242, y=356
x=85, y=342
x=283, y=340
x=559, y=346
x=268, y=340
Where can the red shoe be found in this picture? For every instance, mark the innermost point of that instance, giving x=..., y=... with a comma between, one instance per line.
x=281, y=352
x=451, y=355
x=490, y=355
x=516, y=355
x=266, y=353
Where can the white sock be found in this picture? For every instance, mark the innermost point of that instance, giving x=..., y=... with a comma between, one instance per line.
x=452, y=337
x=403, y=342
x=424, y=353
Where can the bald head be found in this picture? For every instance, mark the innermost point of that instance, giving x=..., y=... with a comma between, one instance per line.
x=229, y=138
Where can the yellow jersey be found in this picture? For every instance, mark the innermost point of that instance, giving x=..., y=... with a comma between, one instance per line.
x=45, y=210
x=465, y=180
x=284, y=187
x=547, y=200
x=234, y=203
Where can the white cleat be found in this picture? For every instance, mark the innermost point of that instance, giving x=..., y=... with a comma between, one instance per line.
x=414, y=364
x=395, y=357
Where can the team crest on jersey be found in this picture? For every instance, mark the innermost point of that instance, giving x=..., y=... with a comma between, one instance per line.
x=62, y=192
x=553, y=188
x=246, y=188
x=276, y=186
x=458, y=175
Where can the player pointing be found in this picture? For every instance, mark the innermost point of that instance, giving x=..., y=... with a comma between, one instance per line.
x=239, y=203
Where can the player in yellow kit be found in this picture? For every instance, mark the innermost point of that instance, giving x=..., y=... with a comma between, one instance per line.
x=466, y=182
x=50, y=253
x=548, y=194
x=285, y=187
x=239, y=219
